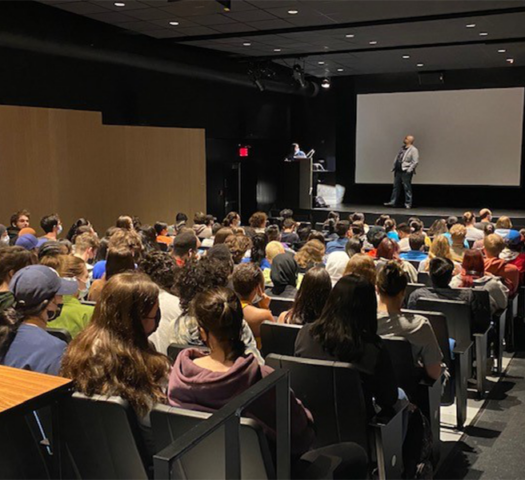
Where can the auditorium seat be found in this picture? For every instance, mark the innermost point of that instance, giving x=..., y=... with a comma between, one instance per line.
x=278, y=338
x=207, y=459
x=102, y=439
x=332, y=392
x=456, y=361
x=280, y=305
x=424, y=278
x=60, y=333
x=175, y=348
x=411, y=288
x=421, y=390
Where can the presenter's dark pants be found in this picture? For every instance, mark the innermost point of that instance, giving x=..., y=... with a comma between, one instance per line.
x=402, y=181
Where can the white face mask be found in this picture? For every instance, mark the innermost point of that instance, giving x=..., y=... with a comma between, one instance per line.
x=59, y=231
x=84, y=292
x=256, y=299
x=4, y=240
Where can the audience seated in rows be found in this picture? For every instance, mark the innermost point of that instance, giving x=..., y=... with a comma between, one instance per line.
x=310, y=255
x=389, y=250
x=485, y=217
x=363, y=266
x=494, y=246
x=18, y=221
x=289, y=235
x=284, y=273
x=473, y=233
x=343, y=232
x=440, y=248
x=416, y=242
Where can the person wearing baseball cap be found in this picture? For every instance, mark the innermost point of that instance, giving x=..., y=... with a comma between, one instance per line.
x=24, y=342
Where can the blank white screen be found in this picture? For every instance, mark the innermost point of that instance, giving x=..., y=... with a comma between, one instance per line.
x=464, y=137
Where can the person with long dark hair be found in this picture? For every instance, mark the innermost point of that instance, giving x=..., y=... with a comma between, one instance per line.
x=347, y=332
x=258, y=251
x=311, y=298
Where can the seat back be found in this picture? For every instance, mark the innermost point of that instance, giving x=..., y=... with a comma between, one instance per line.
x=169, y=423
x=412, y=287
x=483, y=317
x=424, y=278
x=407, y=375
x=457, y=314
x=278, y=338
x=414, y=263
x=332, y=392
x=102, y=439
x=175, y=348
x=280, y=305
x=60, y=333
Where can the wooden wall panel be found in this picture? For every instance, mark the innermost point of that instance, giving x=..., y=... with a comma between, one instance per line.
x=68, y=162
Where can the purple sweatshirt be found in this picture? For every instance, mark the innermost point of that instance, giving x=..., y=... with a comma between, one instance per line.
x=196, y=388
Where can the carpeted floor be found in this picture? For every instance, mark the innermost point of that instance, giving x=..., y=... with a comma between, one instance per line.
x=493, y=446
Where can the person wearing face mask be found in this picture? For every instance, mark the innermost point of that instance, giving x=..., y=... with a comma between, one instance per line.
x=4, y=236
x=248, y=283
x=74, y=316
x=112, y=355
x=12, y=259
x=24, y=342
x=52, y=226
x=86, y=248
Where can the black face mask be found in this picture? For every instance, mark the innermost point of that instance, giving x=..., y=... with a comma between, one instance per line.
x=53, y=315
x=157, y=318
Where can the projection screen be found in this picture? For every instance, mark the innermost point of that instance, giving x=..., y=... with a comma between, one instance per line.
x=464, y=137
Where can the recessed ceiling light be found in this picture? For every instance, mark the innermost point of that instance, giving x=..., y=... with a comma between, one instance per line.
x=325, y=83
x=293, y=12
x=320, y=63
x=174, y=23
x=349, y=35
x=340, y=69
x=119, y=4
x=510, y=60
x=276, y=49
x=373, y=42
x=502, y=50
x=470, y=25
x=406, y=57
x=483, y=34
x=326, y=48
x=247, y=44
x=420, y=64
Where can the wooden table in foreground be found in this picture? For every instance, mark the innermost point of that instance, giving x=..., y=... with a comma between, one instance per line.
x=22, y=390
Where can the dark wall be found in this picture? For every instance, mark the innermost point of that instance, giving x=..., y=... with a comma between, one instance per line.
x=424, y=195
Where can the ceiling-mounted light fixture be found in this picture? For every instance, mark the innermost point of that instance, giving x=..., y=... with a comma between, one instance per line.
x=325, y=84
x=298, y=75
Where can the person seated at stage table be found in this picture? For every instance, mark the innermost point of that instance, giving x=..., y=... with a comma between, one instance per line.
x=473, y=275
x=417, y=244
x=494, y=245
x=288, y=235
x=458, y=233
x=441, y=271
x=389, y=250
x=248, y=283
x=504, y=229
x=310, y=255
x=473, y=233
x=342, y=229
x=485, y=217
x=513, y=254
x=393, y=322
x=404, y=231
x=311, y=298
x=440, y=248
x=283, y=274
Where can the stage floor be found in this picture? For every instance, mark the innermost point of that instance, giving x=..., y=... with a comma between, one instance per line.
x=426, y=214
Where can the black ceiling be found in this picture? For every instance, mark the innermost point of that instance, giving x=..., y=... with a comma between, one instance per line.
x=432, y=34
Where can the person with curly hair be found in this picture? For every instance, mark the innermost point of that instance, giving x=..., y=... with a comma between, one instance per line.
x=310, y=255
x=198, y=276
x=238, y=245
x=160, y=267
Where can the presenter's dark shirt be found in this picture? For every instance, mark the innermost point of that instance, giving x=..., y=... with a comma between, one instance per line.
x=399, y=159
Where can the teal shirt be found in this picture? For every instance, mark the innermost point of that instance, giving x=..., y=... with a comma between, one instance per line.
x=74, y=317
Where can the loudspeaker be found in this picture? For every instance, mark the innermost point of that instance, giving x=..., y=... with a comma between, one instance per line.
x=431, y=78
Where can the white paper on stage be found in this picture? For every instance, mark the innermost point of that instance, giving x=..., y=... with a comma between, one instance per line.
x=464, y=137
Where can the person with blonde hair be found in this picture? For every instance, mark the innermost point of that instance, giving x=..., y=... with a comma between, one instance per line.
x=362, y=265
x=310, y=255
x=273, y=249
x=504, y=230
x=74, y=316
x=440, y=248
x=458, y=234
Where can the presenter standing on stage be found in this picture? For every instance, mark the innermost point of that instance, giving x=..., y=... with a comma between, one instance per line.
x=404, y=167
x=297, y=152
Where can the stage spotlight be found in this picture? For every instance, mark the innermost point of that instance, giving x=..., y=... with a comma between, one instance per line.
x=325, y=83
x=298, y=75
